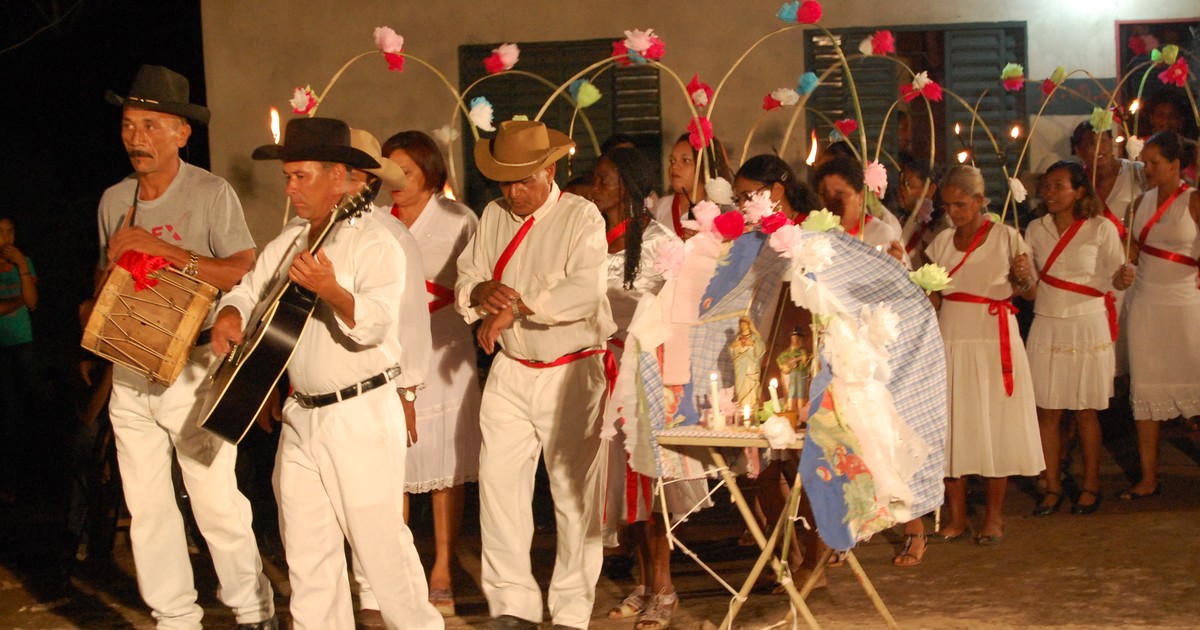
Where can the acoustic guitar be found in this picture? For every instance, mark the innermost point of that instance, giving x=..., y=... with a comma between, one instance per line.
x=243, y=381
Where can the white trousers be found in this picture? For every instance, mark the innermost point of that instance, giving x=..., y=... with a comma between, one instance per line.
x=339, y=475
x=555, y=412
x=148, y=422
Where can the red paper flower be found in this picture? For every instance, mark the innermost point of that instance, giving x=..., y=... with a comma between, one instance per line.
x=493, y=64
x=700, y=135
x=1175, y=74
x=730, y=225
x=1137, y=45
x=656, y=50
x=701, y=93
x=395, y=61
x=846, y=126
x=770, y=102
x=1047, y=87
x=809, y=12
x=773, y=222
x=619, y=50
x=883, y=42
x=921, y=85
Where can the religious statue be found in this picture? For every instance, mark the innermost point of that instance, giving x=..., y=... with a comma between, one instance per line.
x=793, y=364
x=747, y=350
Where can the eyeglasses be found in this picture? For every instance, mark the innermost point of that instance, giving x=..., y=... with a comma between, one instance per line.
x=745, y=196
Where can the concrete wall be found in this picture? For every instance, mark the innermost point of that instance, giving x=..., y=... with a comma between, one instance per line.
x=257, y=52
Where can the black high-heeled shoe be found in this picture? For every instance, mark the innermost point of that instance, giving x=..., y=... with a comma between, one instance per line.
x=1089, y=508
x=1046, y=510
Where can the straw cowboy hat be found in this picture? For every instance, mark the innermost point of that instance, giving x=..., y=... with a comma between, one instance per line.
x=318, y=140
x=520, y=149
x=388, y=172
x=160, y=89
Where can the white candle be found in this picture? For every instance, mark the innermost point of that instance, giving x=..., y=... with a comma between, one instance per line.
x=718, y=421
x=746, y=416
x=775, y=395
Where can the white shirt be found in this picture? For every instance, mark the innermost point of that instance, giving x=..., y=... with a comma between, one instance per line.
x=416, y=339
x=1091, y=259
x=369, y=263
x=443, y=230
x=624, y=301
x=559, y=271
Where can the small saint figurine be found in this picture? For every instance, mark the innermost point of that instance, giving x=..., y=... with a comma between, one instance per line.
x=793, y=363
x=747, y=350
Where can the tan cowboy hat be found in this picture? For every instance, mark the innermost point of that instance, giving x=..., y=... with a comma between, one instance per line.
x=520, y=149
x=160, y=89
x=389, y=172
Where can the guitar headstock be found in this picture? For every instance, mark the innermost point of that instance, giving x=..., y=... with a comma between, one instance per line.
x=354, y=205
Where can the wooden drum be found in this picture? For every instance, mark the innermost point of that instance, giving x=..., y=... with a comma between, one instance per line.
x=151, y=331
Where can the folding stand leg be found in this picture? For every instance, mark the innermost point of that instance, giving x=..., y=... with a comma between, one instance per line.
x=870, y=590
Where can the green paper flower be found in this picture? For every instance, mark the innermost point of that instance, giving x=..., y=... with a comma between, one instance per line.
x=521, y=117
x=584, y=93
x=1156, y=56
x=1059, y=75
x=1170, y=53
x=822, y=221
x=1012, y=71
x=1102, y=120
x=930, y=278
x=992, y=216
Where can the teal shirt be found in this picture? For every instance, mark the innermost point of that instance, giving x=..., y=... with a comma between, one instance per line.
x=15, y=327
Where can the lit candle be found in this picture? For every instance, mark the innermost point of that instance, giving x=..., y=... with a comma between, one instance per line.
x=718, y=421
x=1134, y=106
x=746, y=416
x=962, y=156
x=775, y=395
x=1016, y=132
x=275, y=124
x=957, y=129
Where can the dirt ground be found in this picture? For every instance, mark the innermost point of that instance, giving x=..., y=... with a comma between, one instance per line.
x=1130, y=565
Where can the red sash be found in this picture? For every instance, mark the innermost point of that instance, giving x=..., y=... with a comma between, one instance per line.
x=508, y=252
x=914, y=239
x=442, y=297
x=617, y=231
x=676, y=206
x=1001, y=309
x=1110, y=298
x=1174, y=257
x=1112, y=216
x=610, y=363
x=975, y=241
x=854, y=230
x=634, y=481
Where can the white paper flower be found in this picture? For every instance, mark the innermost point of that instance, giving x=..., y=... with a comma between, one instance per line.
x=815, y=254
x=446, y=134
x=779, y=432
x=821, y=221
x=704, y=212
x=786, y=96
x=883, y=324
x=865, y=47
x=931, y=278
x=920, y=80
x=719, y=190
x=1133, y=146
x=639, y=41
x=1017, y=188
x=481, y=114
x=758, y=206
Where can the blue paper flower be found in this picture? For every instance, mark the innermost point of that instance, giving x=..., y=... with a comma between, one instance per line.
x=788, y=11
x=808, y=83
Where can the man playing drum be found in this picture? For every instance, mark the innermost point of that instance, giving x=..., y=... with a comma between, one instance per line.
x=194, y=220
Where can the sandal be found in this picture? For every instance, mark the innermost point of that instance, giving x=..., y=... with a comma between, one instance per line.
x=1044, y=509
x=1090, y=508
x=906, y=559
x=633, y=605
x=443, y=600
x=657, y=615
x=1133, y=495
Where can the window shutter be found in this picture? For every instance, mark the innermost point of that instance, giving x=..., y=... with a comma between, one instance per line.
x=875, y=81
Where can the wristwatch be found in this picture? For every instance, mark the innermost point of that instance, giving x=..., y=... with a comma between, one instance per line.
x=409, y=394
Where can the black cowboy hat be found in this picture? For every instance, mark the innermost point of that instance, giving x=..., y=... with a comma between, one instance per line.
x=160, y=89
x=318, y=140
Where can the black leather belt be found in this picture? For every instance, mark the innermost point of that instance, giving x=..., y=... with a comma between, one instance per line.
x=204, y=338
x=362, y=387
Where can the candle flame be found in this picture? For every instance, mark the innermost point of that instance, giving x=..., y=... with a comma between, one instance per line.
x=448, y=192
x=275, y=124
x=1135, y=105
x=713, y=377
x=571, y=152
x=774, y=383
x=746, y=412
x=1015, y=132
x=1119, y=139
x=962, y=157
x=812, y=149
x=957, y=129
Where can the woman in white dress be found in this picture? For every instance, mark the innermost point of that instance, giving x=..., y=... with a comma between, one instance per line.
x=623, y=181
x=1164, y=305
x=677, y=206
x=446, y=452
x=1071, y=344
x=993, y=420
x=840, y=184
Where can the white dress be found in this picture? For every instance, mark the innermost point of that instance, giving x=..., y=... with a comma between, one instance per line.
x=1124, y=191
x=991, y=433
x=447, y=450
x=1164, y=316
x=1070, y=346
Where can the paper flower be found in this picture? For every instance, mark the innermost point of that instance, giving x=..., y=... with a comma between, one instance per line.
x=808, y=12
x=626, y=56
x=992, y=216
x=1013, y=77
x=1017, y=189
x=669, y=260
x=446, y=134
x=1133, y=147
x=481, y=114
x=921, y=85
x=704, y=213
x=875, y=176
x=925, y=212
x=1102, y=119
x=502, y=58
x=758, y=206
x=786, y=96
x=303, y=100
x=388, y=41
x=1137, y=45
x=719, y=190
x=395, y=62
x=930, y=278
x=808, y=82
x=701, y=93
x=788, y=12
x=814, y=254
x=881, y=43
x=700, y=133
x=772, y=222
x=770, y=102
x=846, y=126
x=729, y=225
x=645, y=44
x=521, y=117
x=584, y=92
x=1169, y=53
x=821, y=221
x=1054, y=81
x=1175, y=74
x=779, y=432
x=883, y=324
x=785, y=239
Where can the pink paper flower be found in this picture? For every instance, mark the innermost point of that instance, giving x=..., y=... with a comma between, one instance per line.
x=645, y=43
x=875, y=176
x=809, y=12
x=1175, y=74
x=388, y=41
x=700, y=135
x=395, y=62
x=772, y=222
x=704, y=212
x=785, y=239
x=770, y=102
x=701, y=93
x=502, y=58
x=730, y=225
x=669, y=260
x=846, y=126
x=303, y=100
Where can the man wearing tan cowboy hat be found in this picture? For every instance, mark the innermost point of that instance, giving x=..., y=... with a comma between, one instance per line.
x=194, y=220
x=535, y=273
x=340, y=467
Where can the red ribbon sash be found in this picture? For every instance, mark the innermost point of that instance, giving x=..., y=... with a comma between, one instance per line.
x=676, y=210
x=442, y=297
x=508, y=252
x=1112, y=216
x=617, y=231
x=975, y=241
x=1174, y=257
x=914, y=239
x=1001, y=309
x=854, y=230
x=610, y=363
x=1110, y=299
x=633, y=482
